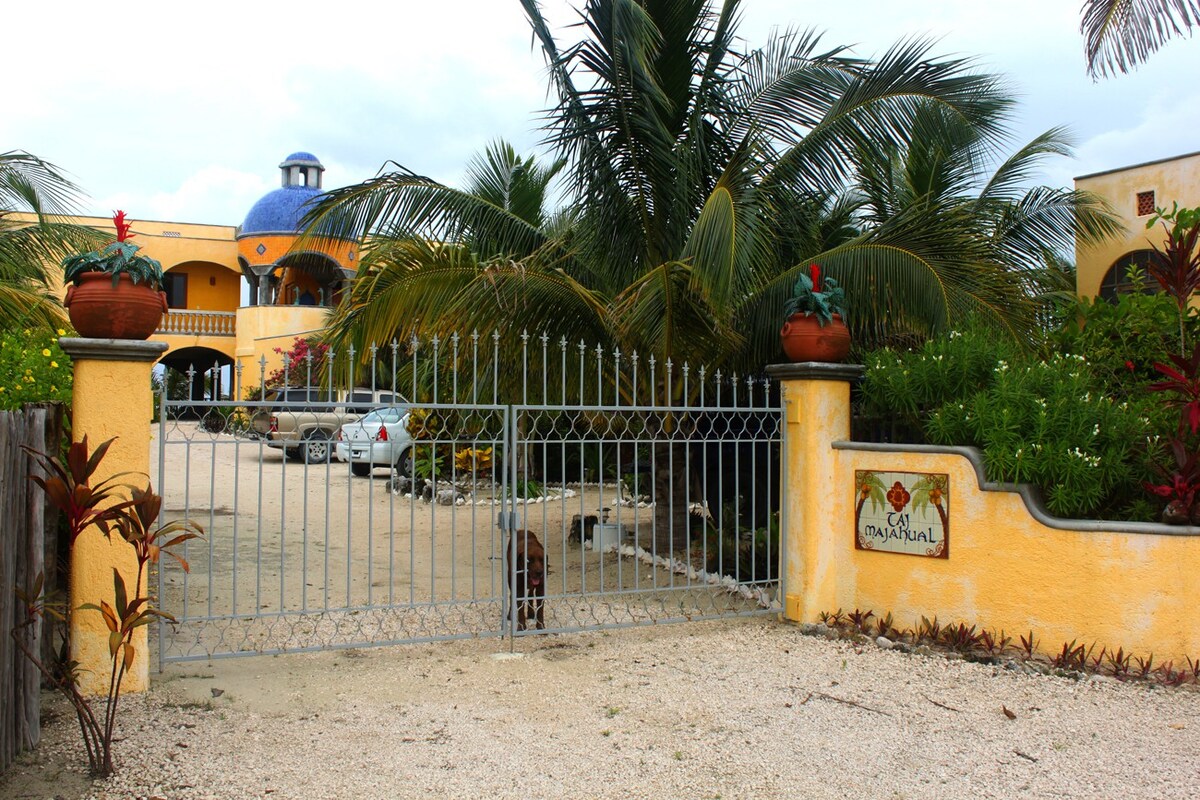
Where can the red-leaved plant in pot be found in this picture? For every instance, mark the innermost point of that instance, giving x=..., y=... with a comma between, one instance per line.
x=813, y=329
x=116, y=293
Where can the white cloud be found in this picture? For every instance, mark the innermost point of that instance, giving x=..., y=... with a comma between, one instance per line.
x=213, y=194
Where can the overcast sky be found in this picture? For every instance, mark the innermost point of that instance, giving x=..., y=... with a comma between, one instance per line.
x=183, y=111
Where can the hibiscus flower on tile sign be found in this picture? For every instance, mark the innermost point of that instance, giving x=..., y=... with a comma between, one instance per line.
x=898, y=496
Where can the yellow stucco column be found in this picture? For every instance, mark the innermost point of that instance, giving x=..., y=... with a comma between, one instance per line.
x=111, y=397
x=816, y=413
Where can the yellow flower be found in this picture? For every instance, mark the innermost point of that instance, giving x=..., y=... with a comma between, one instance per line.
x=53, y=363
x=46, y=352
x=53, y=388
x=61, y=332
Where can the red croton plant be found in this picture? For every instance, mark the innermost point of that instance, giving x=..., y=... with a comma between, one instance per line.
x=1176, y=268
x=132, y=518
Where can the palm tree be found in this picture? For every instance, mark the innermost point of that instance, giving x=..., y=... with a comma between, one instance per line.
x=29, y=184
x=687, y=167
x=1121, y=34
x=947, y=233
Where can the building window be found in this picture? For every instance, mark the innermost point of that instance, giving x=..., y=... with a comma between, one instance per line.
x=175, y=285
x=1145, y=203
x=1116, y=280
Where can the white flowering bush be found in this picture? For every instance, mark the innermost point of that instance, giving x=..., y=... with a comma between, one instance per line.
x=1047, y=421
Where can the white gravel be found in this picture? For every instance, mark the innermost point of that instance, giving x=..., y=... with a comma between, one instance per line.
x=730, y=709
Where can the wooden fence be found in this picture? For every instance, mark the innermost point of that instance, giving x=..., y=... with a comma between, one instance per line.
x=22, y=558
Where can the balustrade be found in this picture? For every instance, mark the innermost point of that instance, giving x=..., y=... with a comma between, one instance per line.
x=198, y=323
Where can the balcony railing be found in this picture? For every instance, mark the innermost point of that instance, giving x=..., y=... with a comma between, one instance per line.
x=179, y=322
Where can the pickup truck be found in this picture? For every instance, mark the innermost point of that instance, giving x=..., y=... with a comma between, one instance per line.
x=304, y=421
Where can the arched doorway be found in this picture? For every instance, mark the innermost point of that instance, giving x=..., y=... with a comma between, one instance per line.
x=197, y=373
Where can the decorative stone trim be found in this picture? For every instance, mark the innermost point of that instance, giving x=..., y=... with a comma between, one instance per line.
x=112, y=349
x=818, y=371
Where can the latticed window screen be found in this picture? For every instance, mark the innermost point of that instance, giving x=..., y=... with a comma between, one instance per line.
x=1145, y=203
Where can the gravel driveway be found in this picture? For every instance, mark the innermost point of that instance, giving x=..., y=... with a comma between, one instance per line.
x=731, y=709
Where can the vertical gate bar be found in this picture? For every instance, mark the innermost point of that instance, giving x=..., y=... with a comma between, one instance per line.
x=525, y=366
x=237, y=495
x=737, y=500
x=508, y=560
x=393, y=475
x=496, y=366
x=672, y=427
x=562, y=466
x=616, y=414
x=412, y=503
x=454, y=467
x=475, y=366
x=754, y=485
x=374, y=350
x=655, y=415
x=212, y=492
x=705, y=445
x=720, y=484
x=582, y=473
x=603, y=441
x=187, y=496
x=159, y=626
x=685, y=417
x=433, y=522
x=545, y=399
x=640, y=417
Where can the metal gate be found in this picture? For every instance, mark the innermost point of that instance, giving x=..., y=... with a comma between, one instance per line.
x=653, y=489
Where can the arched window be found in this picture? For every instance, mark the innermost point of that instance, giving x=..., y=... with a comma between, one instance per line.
x=1116, y=280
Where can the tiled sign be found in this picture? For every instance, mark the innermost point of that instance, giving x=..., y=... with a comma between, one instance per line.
x=902, y=512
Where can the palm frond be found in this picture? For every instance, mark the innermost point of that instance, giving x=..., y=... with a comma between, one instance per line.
x=1121, y=34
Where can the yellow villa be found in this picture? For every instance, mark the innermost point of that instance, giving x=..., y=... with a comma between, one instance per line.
x=1133, y=192
x=237, y=293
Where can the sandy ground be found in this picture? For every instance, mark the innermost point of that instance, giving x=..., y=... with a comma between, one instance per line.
x=725, y=709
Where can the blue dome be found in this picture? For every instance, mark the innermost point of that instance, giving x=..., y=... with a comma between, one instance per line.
x=280, y=211
x=302, y=156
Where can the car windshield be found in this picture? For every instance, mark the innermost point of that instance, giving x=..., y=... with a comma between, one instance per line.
x=384, y=415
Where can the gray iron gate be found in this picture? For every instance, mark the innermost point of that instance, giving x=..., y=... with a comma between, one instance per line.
x=654, y=491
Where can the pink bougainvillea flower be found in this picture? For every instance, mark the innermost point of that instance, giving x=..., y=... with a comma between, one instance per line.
x=898, y=496
x=1129, y=366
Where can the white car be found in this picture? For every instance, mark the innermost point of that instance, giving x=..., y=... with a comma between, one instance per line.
x=377, y=439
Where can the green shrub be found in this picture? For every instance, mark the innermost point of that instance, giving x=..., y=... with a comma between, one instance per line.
x=1123, y=340
x=1085, y=433
x=33, y=368
x=1048, y=423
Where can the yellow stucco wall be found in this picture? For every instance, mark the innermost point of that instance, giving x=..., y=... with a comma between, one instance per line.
x=1006, y=570
x=1174, y=180
x=261, y=329
x=210, y=286
x=111, y=398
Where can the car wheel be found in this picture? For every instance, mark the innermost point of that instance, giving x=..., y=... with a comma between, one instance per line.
x=316, y=448
x=361, y=470
x=405, y=465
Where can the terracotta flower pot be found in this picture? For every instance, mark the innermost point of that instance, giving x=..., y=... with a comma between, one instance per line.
x=100, y=311
x=804, y=339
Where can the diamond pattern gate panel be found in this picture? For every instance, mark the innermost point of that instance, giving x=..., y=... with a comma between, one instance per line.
x=653, y=490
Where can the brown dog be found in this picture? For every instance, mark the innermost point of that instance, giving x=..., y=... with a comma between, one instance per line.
x=529, y=591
